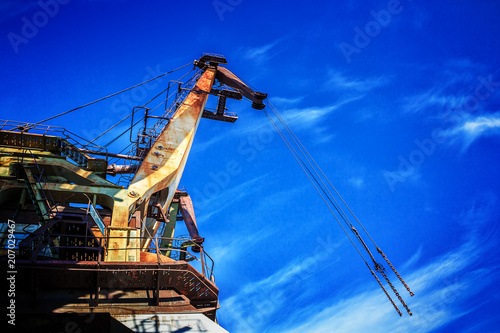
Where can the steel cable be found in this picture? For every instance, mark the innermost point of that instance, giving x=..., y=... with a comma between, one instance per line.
x=116, y=93
x=132, y=126
x=310, y=177
x=317, y=177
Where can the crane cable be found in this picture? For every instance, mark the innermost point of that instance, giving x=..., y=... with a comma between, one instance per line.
x=302, y=151
x=344, y=217
x=316, y=184
x=313, y=179
x=133, y=125
x=309, y=160
x=307, y=154
x=308, y=157
x=314, y=164
x=310, y=176
x=106, y=97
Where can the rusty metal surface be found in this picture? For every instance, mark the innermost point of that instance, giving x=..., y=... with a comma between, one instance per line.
x=228, y=117
x=226, y=77
x=30, y=140
x=55, y=165
x=109, y=271
x=180, y=276
x=114, y=169
x=163, y=166
x=54, y=145
x=187, y=211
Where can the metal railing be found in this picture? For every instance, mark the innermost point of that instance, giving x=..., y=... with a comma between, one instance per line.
x=41, y=185
x=70, y=143
x=55, y=246
x=141, y=148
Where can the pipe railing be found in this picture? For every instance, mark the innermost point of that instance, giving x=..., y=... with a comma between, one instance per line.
x=49, y=246
x=61, y=132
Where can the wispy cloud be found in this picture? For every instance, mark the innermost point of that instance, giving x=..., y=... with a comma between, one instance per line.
x=441, y=288
x=444, y=289
x=262, y=53
x=413, y=260
x=224, y=252
x=464, y=103
x=433, y=98
x=256, y=303
x=312, y=118
x=476, y=219
x=357, y=182
x=206, y=145
x=307, y=118
x=449, y=87
x=473, y=128
x=227, y=197
x=259, y=52
x=338, y=80
x=286, y=101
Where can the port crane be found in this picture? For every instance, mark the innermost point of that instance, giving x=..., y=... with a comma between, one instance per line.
x=92, y=239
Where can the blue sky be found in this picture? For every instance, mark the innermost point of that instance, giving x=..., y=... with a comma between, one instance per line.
x=397, y=101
